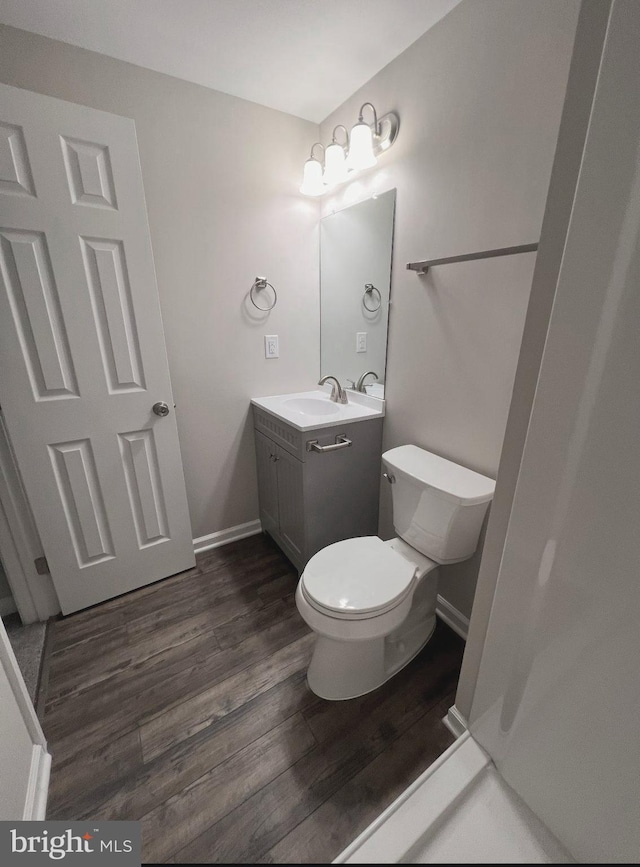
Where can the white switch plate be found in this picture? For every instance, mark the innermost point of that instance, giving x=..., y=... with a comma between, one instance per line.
x=271, y=347
x=361, y=341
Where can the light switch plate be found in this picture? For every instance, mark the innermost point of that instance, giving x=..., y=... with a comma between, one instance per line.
x=271, y=347
x=361, y=341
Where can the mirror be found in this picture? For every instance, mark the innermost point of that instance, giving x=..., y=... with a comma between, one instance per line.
x=356, y=244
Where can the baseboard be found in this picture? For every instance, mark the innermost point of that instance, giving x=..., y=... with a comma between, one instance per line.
x=223, y=537
x=455, y=722
x=36, y=801
x=7, y=606
x=452, y=617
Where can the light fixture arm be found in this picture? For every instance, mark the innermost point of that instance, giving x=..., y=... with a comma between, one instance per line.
x=376, y=125
x=317, y=144
x=346, y=132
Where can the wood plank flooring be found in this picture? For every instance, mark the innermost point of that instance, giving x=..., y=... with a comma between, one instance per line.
x=184, y=705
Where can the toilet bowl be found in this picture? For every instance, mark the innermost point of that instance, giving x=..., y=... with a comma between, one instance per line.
x=357, y=596
x=372, y=603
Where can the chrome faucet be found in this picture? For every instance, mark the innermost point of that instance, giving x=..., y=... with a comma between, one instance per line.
x=338, y=394
x=360, y=385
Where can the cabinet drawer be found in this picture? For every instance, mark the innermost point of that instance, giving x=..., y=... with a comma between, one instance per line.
x=291, y=440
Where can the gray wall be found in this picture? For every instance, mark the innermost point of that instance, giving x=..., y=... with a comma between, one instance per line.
x=479, y=98
x=592, y=26
x=556, y=705
x=221, y=179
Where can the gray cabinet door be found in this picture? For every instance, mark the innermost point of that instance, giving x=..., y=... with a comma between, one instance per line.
x=291, y=502
x=267, y=482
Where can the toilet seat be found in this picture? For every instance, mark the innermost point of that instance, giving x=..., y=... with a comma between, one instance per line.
x=357, y=578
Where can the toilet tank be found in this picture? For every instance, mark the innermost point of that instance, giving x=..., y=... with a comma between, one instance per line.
x=438, y=506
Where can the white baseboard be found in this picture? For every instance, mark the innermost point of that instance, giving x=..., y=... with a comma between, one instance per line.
x=223, y=537
x=452, y=617
x=455, y=722
x=7, y=606
x=36, y=800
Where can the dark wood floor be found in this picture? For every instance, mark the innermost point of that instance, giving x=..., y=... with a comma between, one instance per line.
x=184, y=705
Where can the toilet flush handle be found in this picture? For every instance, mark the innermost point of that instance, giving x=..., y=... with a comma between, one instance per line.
x=389, y=477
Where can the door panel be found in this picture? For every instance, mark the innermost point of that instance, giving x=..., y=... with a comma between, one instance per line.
x=82, y=351
x=89, y=173
x=142, y=472
x=15, y=171
x=80, y=494
x=108, y=283
x=33, y=298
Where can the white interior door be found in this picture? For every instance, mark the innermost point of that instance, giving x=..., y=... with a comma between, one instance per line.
x=82, y=353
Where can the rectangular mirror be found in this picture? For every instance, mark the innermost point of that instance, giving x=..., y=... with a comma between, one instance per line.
x=356, y=245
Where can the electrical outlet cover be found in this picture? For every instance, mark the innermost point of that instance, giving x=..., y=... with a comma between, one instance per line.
x=271, y=347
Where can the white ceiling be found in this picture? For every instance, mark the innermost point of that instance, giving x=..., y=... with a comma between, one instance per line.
x=304, y=57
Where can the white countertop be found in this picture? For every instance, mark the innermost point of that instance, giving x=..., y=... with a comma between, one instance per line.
x=310, y=410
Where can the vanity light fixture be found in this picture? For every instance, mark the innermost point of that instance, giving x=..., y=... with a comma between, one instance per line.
x=359, y=152
x=361, y=155
x=312, y=184
x=335, y=160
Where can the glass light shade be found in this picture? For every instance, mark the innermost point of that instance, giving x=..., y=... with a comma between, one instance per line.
x=335, y=167
x=312, y=179
x=361, y=154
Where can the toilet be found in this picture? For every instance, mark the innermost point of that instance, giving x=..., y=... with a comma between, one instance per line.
x=372, y=604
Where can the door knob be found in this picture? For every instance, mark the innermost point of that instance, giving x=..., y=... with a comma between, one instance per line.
x=161, y=408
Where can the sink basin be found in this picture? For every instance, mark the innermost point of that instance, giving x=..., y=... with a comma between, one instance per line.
x=312, y=406
x=311, y=410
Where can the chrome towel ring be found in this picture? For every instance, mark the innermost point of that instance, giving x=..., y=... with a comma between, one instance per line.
x=369, y=289
x=262, y=283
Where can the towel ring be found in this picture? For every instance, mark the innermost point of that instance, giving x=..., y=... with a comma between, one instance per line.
x=369, y=289
x=262, y=283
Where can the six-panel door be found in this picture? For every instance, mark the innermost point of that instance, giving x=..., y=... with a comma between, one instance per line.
x=82, y=351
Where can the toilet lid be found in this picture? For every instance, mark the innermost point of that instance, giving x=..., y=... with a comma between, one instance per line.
x=358, y=575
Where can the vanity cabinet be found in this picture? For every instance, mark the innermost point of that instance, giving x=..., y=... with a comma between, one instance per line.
x=309, y=499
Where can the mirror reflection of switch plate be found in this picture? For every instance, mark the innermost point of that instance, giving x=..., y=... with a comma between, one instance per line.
x=361, y=341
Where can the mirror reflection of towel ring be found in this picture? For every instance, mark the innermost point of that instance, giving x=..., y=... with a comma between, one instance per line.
x=369, y=289
x=262, y=283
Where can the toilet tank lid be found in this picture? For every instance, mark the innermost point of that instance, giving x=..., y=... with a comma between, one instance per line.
x=452, y=480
